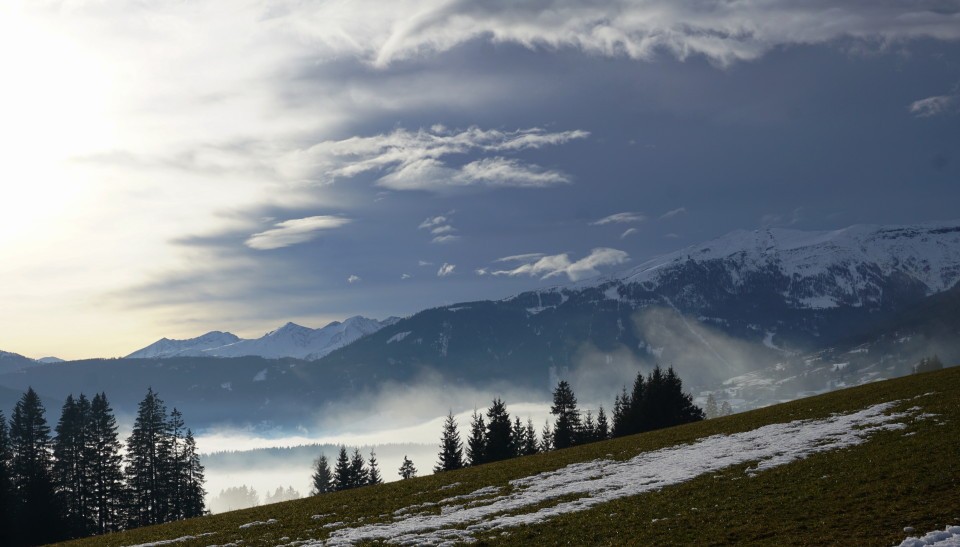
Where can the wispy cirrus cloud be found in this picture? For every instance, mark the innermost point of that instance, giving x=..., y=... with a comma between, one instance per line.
x=940, y=105
x=620, y=218
x=293, y=231
x=418, y=160
x=673, y=213
x=723, y=32
x=547, y=266
x=628, y=232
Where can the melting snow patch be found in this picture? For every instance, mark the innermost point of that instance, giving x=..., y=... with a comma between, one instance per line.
x=261, y=376
x=258, y=523
x=531, y=499
x=451, y=485
x=399, y=336
x=169, y=541
x=949, y=537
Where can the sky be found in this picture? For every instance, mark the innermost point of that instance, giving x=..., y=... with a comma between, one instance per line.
x=171, y=168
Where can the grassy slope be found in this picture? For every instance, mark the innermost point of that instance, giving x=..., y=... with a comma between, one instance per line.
x=864, y=495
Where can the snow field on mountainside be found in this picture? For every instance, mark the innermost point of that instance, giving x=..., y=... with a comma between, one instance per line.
x=581, y=486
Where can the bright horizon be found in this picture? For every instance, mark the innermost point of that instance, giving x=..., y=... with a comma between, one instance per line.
x=176, y=168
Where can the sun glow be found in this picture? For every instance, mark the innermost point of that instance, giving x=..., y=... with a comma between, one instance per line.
x=52, y=106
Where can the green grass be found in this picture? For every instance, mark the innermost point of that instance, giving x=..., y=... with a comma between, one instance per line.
x=863, y=495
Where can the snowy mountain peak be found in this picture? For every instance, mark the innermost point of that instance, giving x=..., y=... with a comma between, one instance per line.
x=290, y=340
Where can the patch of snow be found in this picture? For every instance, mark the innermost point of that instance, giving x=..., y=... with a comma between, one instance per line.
x=451, y=485
x=604, y=480
x=170, y=541
x=612, y=293
x=258, y=523
x=227, y=386
x=399, y=336
x=948, y=537
x=261, y=376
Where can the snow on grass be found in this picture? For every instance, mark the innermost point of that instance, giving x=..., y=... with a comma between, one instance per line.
x=581, y=486
x=258, y=523
x=170, y=541
x=949, y=537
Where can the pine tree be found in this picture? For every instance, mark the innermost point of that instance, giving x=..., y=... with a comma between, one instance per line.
x=71, y=467
x=477, y=442
x=603, y=428
x=148, y=463
x=656, y=402
x=518, y=437
x=192, y=479
x=499, y=445
x=407, y=470
x=6, y=486
x=529, y=440
x=175, y=468
x=358, y=470
x=711, y=410
x=322, y=477
x=588, y=430
x=546, y=438
x=38, y=515
x=342, y=477
x=725, y=409
x=621, y=412
x=105, y=504
x=373, y=474
x=568, y=417
x=451, y=448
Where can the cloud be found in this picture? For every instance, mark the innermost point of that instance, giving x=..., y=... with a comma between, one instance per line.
x=628, y=232
x=481, y=271
x=673, y=213
x=422, y=263
x=445, y=239
x=521, y=258
x=414, y=160
x=291, y=232
x=433, y=221
x=619, y=218
x=722, y=32
x=405, y=276
x=446, y=269
x=443, y=229
x=935, y=106
x=353, y=279
x=554, y=265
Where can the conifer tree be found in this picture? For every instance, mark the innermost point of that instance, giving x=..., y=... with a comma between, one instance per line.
x=529, y=440
x=621, y=411
x=71, y=466
x=711, y=410
x=451, y=448
x=568, y=417
x=149, y=462
x=105, y=504
x=588, y=429
x=407, y=470
x=603, y=427
x=6, y=486
x=477, y=442
x=546, y=438
x=518, y=437
x=191, y=502
x=322, y=477
x=499, y=445
x=725, y=409
x=358, y=470
x=38, y=515
x=342, y=477
x=373, y=473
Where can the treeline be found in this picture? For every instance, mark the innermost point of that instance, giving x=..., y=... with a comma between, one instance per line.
x=654, y=402
x=79, y=482
x=348, y=472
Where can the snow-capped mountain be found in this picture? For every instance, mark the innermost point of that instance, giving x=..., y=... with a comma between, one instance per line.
x=290, y=340
x=715, y=309
x=819, y=270
x=166, y=347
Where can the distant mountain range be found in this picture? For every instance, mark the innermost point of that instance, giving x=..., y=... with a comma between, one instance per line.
x=784, y=306
x=290, y=340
